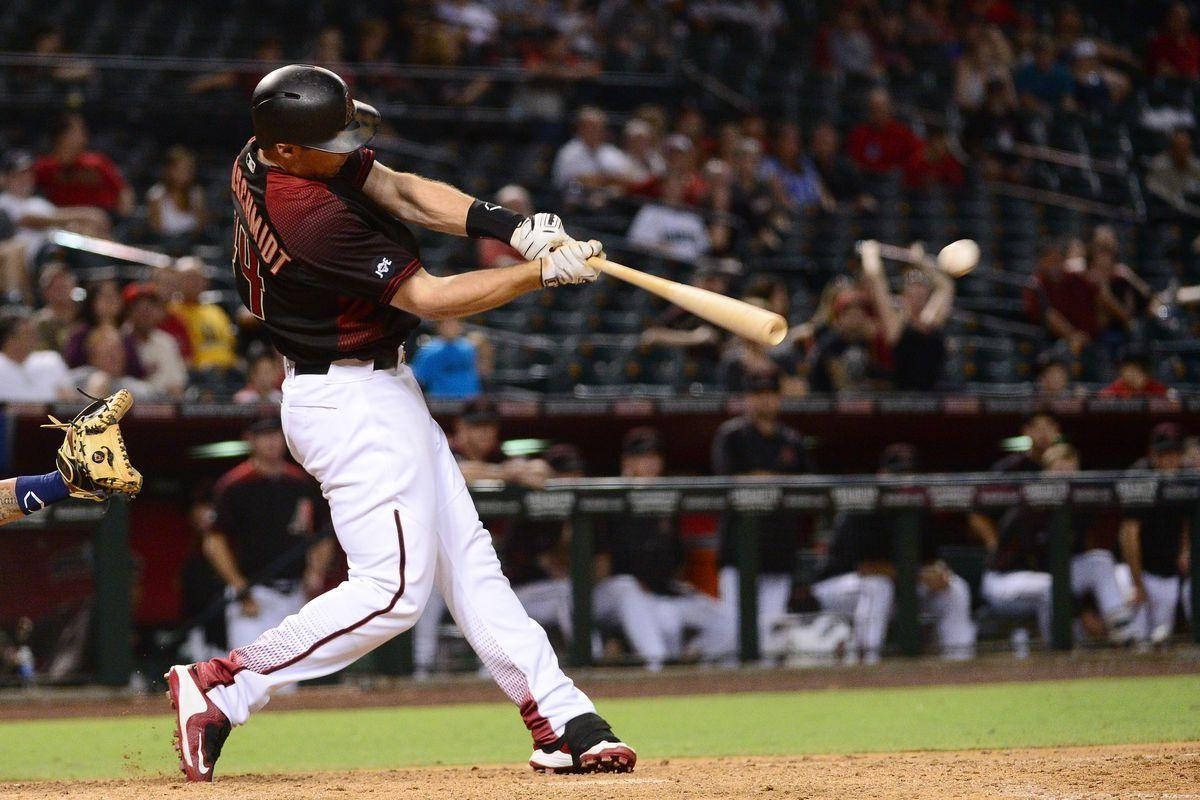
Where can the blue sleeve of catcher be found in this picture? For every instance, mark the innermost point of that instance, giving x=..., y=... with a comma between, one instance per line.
x=35, y=492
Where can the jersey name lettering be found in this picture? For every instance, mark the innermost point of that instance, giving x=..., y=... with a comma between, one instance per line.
x=264, y=239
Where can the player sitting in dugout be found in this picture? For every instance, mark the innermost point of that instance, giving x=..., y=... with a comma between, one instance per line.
x=858, y=580
x=642, y=589
x=1154, y=549
x=1016, y=580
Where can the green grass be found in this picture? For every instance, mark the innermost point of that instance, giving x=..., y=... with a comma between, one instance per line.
x=1097, y=711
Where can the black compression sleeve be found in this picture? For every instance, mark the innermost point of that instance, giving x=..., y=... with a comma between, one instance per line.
x=492, y=221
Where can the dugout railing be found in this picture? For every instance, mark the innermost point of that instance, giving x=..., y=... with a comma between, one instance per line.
x=748, y=500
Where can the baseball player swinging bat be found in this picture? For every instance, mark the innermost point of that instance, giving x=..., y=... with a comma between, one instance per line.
x=324, y=256
x=750, y=322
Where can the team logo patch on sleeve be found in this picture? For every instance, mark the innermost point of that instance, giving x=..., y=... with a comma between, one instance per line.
x=383, y=267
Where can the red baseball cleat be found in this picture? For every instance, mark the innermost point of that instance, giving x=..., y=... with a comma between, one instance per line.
x=598, y=749
x=201, y=728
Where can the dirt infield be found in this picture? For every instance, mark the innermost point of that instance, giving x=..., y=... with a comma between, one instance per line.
x=378, y=692
x=1117, y=772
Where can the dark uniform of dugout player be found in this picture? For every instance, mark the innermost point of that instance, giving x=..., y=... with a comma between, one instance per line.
x=322, y=257
x=264, y=542
x=759, y=443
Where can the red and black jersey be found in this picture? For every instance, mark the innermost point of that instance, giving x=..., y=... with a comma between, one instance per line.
x=318, y=261
x=265, y=516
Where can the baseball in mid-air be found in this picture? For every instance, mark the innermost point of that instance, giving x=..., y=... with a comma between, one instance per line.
x=959, y=257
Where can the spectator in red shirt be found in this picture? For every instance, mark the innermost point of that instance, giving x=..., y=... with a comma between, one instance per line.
x=934, y=164
x=1134, y=378
x=72, y=175
x=1065, y=302
x=882, y=143
x=1175, y=51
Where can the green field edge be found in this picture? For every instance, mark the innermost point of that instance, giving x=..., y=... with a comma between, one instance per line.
x=1002, y=715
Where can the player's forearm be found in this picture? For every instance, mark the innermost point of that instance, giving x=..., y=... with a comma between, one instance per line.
x=983, y=529
x=439, y=206
x=431, y=204
x=20, y=497
x=9, y=510
x=1130, y=542
x=320, y=555
x=468, y=293
x=1059, y=325
x=216, y=550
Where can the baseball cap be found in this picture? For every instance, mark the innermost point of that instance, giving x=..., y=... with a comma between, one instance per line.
x=17, y=161
x=136, y=291
x=641, y=441
x=265, y=424
x=898, y=457
x=1167, y=437
x=848, y=299
x=564, y=458
x=755, y=382
x=480, y=411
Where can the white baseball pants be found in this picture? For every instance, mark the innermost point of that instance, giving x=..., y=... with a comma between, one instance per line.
x=655, y=624
x=403, y=516
x=1153, y=620
x=774, y=591
x=1024, y=591
x=865, y=599
x=950, y=610
x=870, y=604
x=426, y=634
x=274, y=607
x=546, y=602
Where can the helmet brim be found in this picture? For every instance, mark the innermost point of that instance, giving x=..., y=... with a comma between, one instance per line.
x=358, y=133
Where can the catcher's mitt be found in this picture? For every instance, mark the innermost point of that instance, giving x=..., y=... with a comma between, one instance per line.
x=92, y=459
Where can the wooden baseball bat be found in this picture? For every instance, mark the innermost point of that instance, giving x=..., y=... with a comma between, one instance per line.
x=745, y=320
x=1187, y=295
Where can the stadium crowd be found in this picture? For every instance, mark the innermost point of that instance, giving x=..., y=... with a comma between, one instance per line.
x=741, y=200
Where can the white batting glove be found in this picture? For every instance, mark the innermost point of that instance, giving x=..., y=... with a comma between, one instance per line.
x=534, y=237
x=568, y=263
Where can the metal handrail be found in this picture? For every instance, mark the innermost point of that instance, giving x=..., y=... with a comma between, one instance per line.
x=1049, y=197
x=509, y=73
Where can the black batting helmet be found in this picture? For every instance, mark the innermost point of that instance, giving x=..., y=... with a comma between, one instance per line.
x=310, y=106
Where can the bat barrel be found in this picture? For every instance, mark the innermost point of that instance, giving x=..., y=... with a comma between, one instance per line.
x=892, y=252
x=736, y=316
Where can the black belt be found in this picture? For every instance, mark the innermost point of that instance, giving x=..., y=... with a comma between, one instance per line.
x=387, y=360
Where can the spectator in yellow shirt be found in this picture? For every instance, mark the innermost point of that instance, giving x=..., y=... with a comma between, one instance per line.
x=209, y=328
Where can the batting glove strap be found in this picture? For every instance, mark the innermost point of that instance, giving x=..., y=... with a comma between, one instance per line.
x=568, y=263
x=534, y=237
